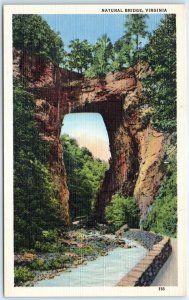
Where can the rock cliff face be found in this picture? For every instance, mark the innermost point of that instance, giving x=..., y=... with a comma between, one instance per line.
x=136, y=148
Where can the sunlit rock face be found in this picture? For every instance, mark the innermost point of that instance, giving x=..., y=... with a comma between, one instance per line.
x=136, y=148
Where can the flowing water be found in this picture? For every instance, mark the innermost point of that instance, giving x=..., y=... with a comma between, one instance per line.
x=104, y=271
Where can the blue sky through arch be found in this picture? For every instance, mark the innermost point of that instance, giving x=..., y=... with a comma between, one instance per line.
x=89, y=130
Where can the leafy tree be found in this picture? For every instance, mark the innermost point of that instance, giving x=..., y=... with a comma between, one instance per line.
x=136, y=28
x=122, y=53
x=80, y=56
x=36, y=207
x=84, y=175
x=103, y=52
x=102, y=56
x=128, y=49
x=31, y=33
x=160, y=87
x=122, y=211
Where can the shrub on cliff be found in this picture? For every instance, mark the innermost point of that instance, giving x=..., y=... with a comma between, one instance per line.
x=35, y=205
x=163, y=215
x=122, y=211
x=31, y=33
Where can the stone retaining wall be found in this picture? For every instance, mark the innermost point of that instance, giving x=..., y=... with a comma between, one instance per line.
x=146, y=270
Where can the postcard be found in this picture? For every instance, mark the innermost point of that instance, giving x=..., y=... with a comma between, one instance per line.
x=94, y=130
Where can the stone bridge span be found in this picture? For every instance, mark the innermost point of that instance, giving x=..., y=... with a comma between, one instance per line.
x=136, y=148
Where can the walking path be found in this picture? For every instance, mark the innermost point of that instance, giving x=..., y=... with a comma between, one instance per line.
x=167, y=276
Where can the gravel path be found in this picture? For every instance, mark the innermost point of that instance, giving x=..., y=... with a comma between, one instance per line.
x=167, y=276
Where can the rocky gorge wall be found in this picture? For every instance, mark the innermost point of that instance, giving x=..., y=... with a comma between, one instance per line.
x=136, y=148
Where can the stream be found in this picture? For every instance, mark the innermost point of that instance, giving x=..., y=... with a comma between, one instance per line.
x=104, y=271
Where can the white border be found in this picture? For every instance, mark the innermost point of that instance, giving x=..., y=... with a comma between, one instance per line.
x=12, y=291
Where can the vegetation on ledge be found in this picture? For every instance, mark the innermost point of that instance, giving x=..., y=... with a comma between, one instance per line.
x=122, y=211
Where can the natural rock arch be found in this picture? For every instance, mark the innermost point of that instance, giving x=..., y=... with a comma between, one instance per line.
x=136, y=148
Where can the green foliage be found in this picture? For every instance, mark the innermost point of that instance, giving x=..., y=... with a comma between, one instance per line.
x=88, y=250
x=160, y=88
x=36, y=207
x=135, y=31
x=163, y=215
x=50, y=235
x=31, y=33
x=128, y=49
x=22, y=274
x=45, y=246
x=122, y=211
x=121, y=54
x=51, y=264
x=80, y=56
x=84, y=176
x=102, y=55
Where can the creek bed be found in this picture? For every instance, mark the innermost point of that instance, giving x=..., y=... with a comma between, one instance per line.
x=104, y=271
